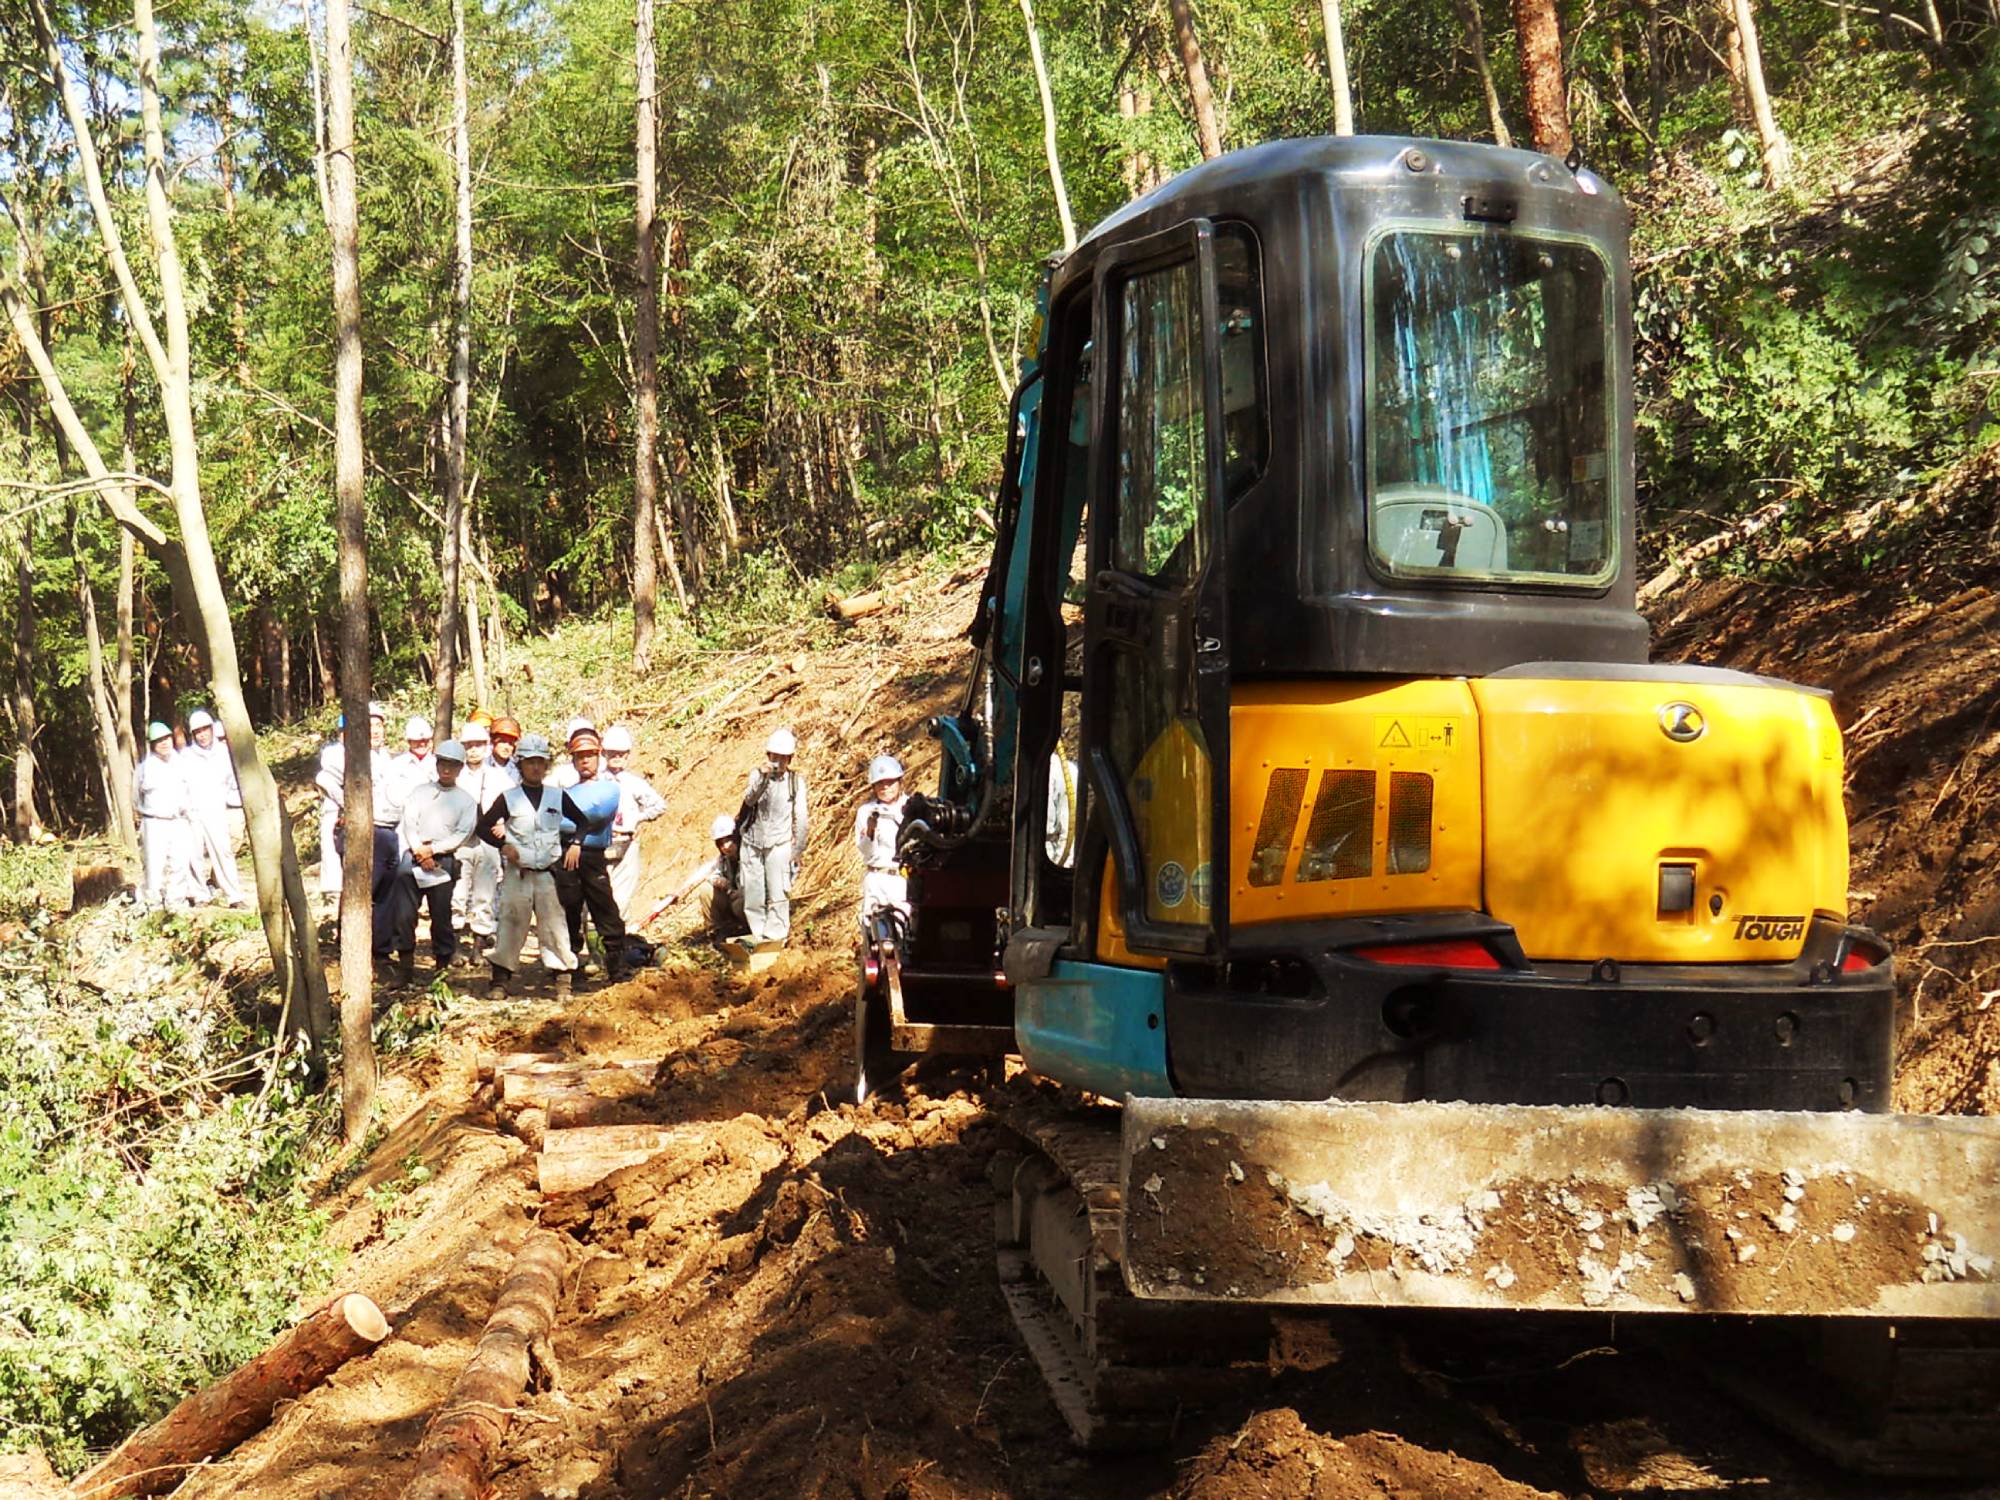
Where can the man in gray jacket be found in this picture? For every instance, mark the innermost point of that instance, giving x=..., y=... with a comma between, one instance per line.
x=772, y=826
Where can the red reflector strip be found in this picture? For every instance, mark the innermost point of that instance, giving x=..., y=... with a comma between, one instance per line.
x=1858, y=959
x=1448, y=953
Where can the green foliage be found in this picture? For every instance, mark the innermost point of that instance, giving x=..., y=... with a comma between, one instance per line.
x=152, y=1226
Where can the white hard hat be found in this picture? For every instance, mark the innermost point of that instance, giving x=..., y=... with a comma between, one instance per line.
x=576, y=726
x=617, y=737
x=419, y=728
x=451, y=750
x=724, y=827
x=784, y=742
x=199, y=719
x=884, y=768
x=475, y=734
x=377, y=711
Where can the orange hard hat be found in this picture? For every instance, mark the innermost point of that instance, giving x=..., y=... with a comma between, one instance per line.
x=585, y=739
x=480, y=716
x=504, y=728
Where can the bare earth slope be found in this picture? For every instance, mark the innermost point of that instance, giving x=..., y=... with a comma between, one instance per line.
x=806, y=1305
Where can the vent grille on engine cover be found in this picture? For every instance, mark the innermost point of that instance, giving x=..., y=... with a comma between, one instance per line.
x=1409, y=822
x=1282, y=800
x=1340, y=838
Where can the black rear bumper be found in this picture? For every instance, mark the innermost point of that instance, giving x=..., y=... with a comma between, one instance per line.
x=1301, y=1017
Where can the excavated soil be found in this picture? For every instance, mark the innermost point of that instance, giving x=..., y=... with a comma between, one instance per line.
x=804, y=1303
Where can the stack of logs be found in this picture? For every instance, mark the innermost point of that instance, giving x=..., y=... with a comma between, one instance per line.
x=578, y=1115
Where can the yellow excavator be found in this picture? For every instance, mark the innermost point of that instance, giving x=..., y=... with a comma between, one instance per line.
x=1313, y=801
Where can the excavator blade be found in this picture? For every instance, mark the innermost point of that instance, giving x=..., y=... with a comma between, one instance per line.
x=1562, y=1209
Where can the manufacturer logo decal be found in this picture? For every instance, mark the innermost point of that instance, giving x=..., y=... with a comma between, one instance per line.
x=1170, y=885
x=1682, y=722
x=1770, y=929
x=1201, y=886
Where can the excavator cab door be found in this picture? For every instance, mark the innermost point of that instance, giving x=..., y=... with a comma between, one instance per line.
x=1156, y=665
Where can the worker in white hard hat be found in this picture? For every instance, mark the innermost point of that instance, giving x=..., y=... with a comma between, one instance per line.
x=533, y=826
x=415, y=764
x=438, y=819
x=160, y=793
x=478, y=885
x=719, y=882
x=876, y=824
x=638, y=805
x=772, y=825
x=330, y=779
x=212, y=791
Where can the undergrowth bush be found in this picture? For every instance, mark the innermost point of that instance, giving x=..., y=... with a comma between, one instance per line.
x=153, y=1230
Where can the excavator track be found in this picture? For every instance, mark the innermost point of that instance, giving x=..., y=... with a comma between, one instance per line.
x=1913, y=1400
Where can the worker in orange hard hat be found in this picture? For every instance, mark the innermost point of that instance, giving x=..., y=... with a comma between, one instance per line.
x=506, y=735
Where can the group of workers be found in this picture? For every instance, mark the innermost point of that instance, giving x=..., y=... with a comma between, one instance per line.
x=188, y=804
x=487, y=835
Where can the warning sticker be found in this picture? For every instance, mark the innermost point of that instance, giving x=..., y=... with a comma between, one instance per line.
x=1420, y=732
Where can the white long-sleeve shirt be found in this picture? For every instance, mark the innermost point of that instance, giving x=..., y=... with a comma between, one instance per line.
x=159, y=787
x=637, y=802
x=875, y=826
x=438, y=816
x=210, y=776
x=332, y=775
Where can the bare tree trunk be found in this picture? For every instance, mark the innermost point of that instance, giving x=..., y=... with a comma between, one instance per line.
x=121, y=670
x=1200, y=96
x=1049, y=127
x=646, y=353
x=475, y=630
x=239, y=340
x=1775, y=149
x=118, y=810
x=1475, y=31
x=1542, y=75
x=357, y=1087
x=25, y=824
x=1336, y=67
x=453, y=531
x=725, y=502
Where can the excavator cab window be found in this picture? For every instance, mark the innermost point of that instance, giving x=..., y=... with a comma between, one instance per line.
x=1491, y=418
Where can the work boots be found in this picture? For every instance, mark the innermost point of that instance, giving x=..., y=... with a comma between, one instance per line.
x=565, y=986
x=496, y=988
x=406, y=966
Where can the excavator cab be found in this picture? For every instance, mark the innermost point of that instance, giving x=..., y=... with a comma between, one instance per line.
x=1421, y=924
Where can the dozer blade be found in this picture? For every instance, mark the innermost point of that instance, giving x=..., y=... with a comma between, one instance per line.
x=1560, y=1209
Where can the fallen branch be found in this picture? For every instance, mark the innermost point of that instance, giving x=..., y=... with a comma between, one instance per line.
x=459, y=1444
x=1725, y=540
x=218, y=1417
x=856, y=606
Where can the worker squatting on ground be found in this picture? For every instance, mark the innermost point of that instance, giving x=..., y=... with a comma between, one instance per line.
x=478, y=884
x=884, y=889
x=438, y=818
x=719, y=882
x=212, y=792
x=527, y=824
x=638, y=805
x=583, y=879
x=166, y=834
x=772, y=826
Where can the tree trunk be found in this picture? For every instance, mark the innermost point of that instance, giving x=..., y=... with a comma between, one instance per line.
x=646, y=353
x=218, y=1417
x=25, y=824
x=357, y=1088
x=1336, y=67
x=475, y=629
x=464, y=1436
x=1775, y=149
x=1049, y=127
x=239, y=339
x=1200, y=96
x=1470, y=13
x=1542, y=75
x=453, y=530
x=118, y=810
x=121, y=670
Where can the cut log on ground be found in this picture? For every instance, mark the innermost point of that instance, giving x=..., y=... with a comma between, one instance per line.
x=459, y=1445
x=534, y=1090
x=576, y=1109
x=491, y=1063
x=218, y=1417
x=27, y=1476
x=573, y=1160
x=856, y=606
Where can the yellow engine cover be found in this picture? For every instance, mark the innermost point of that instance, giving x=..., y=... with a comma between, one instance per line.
x=1588, y=796
x=1552, y=804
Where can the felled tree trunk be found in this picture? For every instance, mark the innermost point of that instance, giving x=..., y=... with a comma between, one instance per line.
x=459, y=1444
x=218, y=1417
